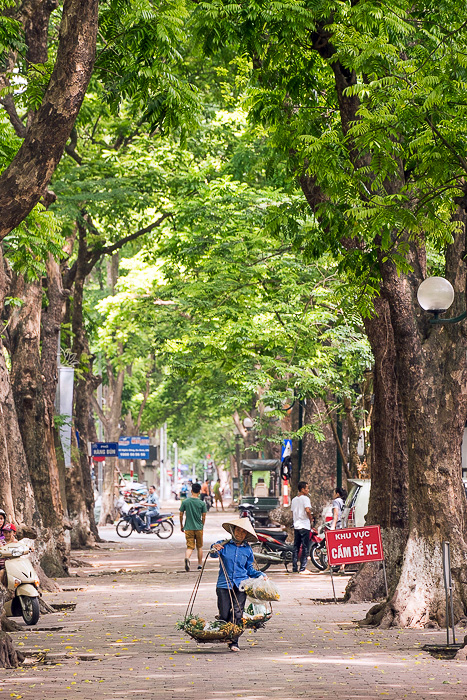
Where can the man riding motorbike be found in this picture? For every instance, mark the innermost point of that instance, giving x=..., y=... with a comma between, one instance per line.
x=152, y=503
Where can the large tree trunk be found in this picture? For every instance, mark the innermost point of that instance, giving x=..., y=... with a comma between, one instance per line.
x=431, y=365
x=388, y=506
x=80, y=496
x=25, y=180
x=35, y=415
x=318, y=458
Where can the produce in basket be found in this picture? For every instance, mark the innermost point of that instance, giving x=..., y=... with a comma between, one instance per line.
x=260, y=588
x=198, y=628
x=256, y=614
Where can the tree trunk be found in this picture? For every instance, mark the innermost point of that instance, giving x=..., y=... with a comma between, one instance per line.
x=353, y=430
x=431, y=366
x=35, y=415
x=25, y=180
x=388, y=506
x=319, y=458
x=80, y=497
x=112, y=434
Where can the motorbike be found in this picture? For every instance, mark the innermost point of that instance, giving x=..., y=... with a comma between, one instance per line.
x=162, y=525
x=318, y=551
x=272, y=547
x=207, y=499
x=22, y=581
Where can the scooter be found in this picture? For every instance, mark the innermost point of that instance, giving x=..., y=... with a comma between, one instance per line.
x=23, y=581
x=162, y=525
x=273, y=549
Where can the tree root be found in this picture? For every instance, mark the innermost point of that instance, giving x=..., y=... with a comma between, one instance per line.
x=8, y=625
x=9, y=657
x=46, y=582
x=45, y=608
x=374, y=616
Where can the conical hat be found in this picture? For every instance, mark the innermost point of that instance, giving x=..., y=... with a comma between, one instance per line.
x=245, y=524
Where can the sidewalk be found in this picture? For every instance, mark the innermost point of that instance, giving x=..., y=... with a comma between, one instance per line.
x=121, y=642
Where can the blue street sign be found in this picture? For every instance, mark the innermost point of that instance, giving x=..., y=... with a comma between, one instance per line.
x=136, y=447
x=104, y=449
x=286, y=449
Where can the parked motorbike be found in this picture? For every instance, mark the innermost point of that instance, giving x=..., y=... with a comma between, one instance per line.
x=246, y=510
x=207, y=499
x=273, y=549
x=162, y=526
x=318, y=551
x=22, y=581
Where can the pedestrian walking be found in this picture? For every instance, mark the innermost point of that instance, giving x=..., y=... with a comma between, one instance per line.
x=218, y=494
x=195, y=515
x=238, y=560
x=302, y=522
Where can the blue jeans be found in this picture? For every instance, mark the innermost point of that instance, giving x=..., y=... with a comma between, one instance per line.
x=149, y=516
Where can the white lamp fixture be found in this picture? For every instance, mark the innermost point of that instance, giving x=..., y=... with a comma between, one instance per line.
x=247, y=423
x=435, y=294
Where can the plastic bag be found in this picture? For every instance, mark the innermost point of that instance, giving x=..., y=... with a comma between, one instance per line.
x=256, y=611
x=260, y=588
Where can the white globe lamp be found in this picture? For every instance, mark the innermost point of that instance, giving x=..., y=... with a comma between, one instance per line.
x=435, y=294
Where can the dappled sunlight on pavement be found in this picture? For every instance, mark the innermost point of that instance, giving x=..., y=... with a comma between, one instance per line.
x=121, y=640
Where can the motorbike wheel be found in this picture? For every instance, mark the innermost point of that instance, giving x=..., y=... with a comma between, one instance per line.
x=165, y=529
x=258, y=549
x=30, y=609
x=124, y=528
x=318, y=556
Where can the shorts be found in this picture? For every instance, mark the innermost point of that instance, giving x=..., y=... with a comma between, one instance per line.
x=194, y=539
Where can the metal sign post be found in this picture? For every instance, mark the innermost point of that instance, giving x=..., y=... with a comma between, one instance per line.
x=446, y=549
x=354, y=545
x=449, y=649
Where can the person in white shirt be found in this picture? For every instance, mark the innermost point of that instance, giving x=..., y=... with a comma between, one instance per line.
x=302, y=522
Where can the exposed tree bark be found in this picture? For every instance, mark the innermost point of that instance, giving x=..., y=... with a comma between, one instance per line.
x=80, y=497
x=25, y=180
x=319, y=458
x=354, y=434
x=431, y=366
x=34, y=407
x=388, y=506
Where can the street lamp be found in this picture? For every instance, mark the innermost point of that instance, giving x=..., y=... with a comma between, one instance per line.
x=248, y=423
x=436, y=294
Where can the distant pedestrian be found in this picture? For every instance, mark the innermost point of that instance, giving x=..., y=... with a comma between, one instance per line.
x=340, y=495
x=218, y=494
x=205, y=489
x=338, y=502
x=302, y=522
x=195, y=515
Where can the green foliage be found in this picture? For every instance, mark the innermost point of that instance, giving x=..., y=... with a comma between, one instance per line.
x=27, y=247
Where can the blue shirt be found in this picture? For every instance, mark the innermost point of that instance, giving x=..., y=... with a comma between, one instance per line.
x=238, y=560
x=152, y=498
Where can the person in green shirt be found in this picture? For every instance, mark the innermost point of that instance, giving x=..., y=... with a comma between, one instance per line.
x=195, y=515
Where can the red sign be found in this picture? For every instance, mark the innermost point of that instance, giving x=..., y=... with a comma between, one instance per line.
x=354, y=545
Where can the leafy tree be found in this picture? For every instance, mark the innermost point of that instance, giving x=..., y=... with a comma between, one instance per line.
x=366, y=103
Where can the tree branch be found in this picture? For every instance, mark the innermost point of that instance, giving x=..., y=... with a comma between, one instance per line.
x=25, y=180
x=9, y=106
x=101, y=415
x=95, y=253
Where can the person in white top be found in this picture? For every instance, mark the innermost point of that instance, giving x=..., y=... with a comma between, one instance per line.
x=302, y=522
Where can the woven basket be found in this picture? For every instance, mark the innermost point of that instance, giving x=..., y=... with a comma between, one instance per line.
x=223, y=634
x=258, y=622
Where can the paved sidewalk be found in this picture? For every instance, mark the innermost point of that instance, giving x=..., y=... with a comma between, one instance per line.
x=121, y=642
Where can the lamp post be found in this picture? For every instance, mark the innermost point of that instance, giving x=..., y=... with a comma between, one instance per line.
x=435, y=295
